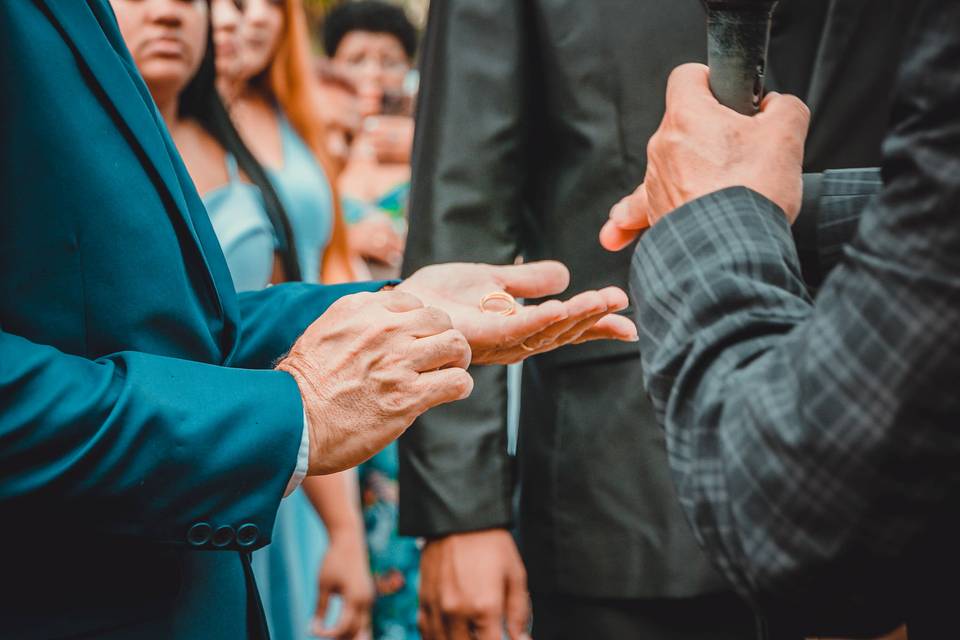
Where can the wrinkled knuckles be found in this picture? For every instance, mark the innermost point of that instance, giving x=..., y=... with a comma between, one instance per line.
x=456, y=345
x=438, y=318
x=378, y=333
x=395, y=408
x=672, y=140
x=463, y=384
x=801, y=110
x=655, y=150
x=352, y=302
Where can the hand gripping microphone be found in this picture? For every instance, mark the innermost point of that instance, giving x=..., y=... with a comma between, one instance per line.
x=738, y=34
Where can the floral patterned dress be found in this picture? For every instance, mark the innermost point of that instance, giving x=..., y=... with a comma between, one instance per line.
x=394, y=559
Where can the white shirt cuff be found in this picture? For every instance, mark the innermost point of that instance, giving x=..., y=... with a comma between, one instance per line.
x=303, y=459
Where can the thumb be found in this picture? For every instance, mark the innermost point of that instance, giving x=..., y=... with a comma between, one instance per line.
x=517, y=608
x=628, y=218
x=613, y=238
x=633, y=212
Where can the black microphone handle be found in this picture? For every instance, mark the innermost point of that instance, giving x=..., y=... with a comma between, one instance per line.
x=738, y=35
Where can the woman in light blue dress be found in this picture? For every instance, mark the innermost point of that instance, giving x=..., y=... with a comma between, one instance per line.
x=246, y=236
x=312, y=575
x=264, y=221
x=287, y=569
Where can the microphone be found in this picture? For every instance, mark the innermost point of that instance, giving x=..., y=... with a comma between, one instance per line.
x=738, y=35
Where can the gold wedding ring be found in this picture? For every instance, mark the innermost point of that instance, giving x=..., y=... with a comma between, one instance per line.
x=499, y=302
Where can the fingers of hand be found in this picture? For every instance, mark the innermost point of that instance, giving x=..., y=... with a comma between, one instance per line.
x=517, y=608
x=488, y=628
x=398, y=301
x=533, y=279
x=585, y=310
x=428, y=617
x=787, y=111
x=423, y=626
x=612, y=327
x=631, y=212
x=447, y=349
x=440, y=387
x=613, y=238
x=591, y=314
x=318, y=627
x=434, y=624
x=346, y=627
x=580, y=307
x=427, y=321
x=616, y=298
x=532, y=319
x=456, y=628
x=627, y=219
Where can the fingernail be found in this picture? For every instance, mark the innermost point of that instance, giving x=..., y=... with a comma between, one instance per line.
x=619, y=213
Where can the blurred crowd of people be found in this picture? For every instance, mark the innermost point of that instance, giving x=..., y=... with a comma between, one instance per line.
x=299, y=138
x=303, y=163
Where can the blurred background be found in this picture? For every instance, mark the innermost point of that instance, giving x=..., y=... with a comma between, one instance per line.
x=416, y=10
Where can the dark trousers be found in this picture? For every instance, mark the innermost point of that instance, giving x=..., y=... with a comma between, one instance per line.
x=716, y=617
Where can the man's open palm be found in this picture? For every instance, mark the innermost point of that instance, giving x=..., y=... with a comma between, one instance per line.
x=459, y=288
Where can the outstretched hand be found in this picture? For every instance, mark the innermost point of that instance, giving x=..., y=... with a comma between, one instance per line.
x=459, y=288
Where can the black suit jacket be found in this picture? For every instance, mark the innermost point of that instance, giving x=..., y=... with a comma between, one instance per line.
x=532, y=121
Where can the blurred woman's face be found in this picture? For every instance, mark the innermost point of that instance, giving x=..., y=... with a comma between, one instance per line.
x=263, y=26
x=376, y=63
x=167, y=39
x=227, y=19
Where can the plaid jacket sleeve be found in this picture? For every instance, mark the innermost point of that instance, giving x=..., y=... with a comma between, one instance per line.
x=802, y=436
x=814, y=442
x=833, y=202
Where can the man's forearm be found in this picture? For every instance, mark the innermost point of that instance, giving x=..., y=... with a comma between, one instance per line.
x=335, y=498
x=783, y=419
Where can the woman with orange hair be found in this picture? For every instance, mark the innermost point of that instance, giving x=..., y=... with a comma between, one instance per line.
x=273, y=105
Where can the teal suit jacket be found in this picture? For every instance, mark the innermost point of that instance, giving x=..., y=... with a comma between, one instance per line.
x=145, y=443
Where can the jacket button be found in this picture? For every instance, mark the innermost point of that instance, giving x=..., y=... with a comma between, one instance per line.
x=248, y=534
x=199, y=534
x=223, y=536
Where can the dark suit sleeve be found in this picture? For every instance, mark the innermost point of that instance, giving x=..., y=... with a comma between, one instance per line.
x=813, y=443
x=465, y=203
x=833, y=203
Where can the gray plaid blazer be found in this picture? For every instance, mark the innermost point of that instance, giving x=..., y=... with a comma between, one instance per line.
x=815, y=445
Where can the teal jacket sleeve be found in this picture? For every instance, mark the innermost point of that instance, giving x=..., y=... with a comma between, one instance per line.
x=142, y=446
